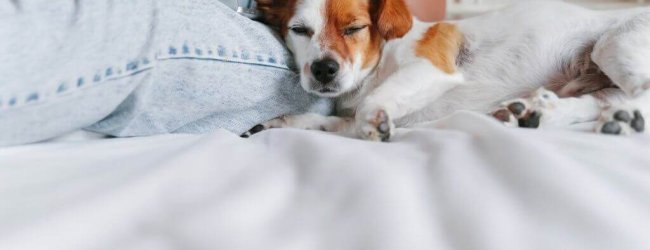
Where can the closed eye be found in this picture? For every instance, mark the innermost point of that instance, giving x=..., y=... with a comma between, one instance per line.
x=354, y=29
x=300, y=30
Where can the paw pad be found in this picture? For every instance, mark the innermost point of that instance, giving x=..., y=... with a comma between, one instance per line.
x=622, y=122
x=638, y=123
x=530, y=121
x=502, y=115
x=528, y=112
x=517, y=108
x=612, y=128
x=622, y=116
x=377, y=126
x=381, y=123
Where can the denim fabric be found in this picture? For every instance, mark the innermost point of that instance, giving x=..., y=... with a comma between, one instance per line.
x=233, y=4
x=131, y=68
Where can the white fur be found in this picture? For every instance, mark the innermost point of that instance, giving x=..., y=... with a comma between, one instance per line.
x=511, y=53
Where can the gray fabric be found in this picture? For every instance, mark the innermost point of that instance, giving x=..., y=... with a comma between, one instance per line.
x=141, y=67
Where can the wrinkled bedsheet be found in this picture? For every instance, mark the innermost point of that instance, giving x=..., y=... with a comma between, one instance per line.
x=464, y=182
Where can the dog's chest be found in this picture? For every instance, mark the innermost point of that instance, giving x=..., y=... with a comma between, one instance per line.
x=389, y=64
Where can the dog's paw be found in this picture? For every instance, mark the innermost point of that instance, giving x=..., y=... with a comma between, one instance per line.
x=621, y=121
x=376, y=126
x=514, y=113
x=256, y=129
x=527, y=112
x=275, y=123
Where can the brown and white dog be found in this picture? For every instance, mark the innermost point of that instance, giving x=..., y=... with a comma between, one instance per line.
x=558, y=64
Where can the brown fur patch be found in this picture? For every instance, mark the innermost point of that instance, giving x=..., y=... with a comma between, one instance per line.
x=386, y=19
x=277, y=13
x=342, y=14
x=392, y=18
x=441, y=45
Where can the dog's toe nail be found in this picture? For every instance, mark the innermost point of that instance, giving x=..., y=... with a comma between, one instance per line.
x=622, y=115
x=638, y=123
x=245, y=135
x=517, y=108
x=256, y=129
x=612, y=128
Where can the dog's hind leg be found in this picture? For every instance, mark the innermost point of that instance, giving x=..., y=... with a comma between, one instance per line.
x=623, y=54
x=611, y=108
x=544, y=109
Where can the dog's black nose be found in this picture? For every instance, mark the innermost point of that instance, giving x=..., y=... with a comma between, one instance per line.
x=324, y=70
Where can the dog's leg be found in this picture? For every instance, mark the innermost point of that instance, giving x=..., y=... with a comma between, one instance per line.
x=408, y=90
x=309, y=121
x=622, y=54
x=544, y=109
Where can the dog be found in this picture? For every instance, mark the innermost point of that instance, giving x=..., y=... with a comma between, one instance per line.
x=534, y=64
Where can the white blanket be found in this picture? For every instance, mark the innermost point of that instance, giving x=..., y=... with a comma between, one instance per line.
x=472, y=185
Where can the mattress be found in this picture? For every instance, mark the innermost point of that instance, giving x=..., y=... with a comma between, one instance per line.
x=463, y=182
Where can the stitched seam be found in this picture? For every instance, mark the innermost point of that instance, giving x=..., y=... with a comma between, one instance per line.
x=85, y=81
x=227, y=60
x=221, y=53
x=72, y=85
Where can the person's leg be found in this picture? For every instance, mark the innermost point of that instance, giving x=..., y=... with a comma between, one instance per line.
x=65, y=63
x=144, y=67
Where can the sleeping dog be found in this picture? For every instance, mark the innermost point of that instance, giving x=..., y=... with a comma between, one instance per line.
x=536, y=64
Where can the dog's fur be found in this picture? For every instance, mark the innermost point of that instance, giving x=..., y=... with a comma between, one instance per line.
x=558, y=64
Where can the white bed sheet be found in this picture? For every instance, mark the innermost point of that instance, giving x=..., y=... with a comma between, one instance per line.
x=471, y=185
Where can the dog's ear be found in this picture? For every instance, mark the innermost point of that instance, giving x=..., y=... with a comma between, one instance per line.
x=392, y=18
x=275, y=13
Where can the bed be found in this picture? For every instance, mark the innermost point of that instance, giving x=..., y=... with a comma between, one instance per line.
x=463, y=182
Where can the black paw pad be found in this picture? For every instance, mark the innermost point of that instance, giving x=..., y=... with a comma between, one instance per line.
x=256, y=129
x=517, y=108
x=531, y=121
x=622, y=115
x=638, y=123
x=612, y=128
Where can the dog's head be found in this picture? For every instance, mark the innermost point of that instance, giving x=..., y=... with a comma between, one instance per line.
x=336, y=43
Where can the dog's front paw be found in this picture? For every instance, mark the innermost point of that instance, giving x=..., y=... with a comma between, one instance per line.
x=621, y=121
x=376, y=126
x=275, y=123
